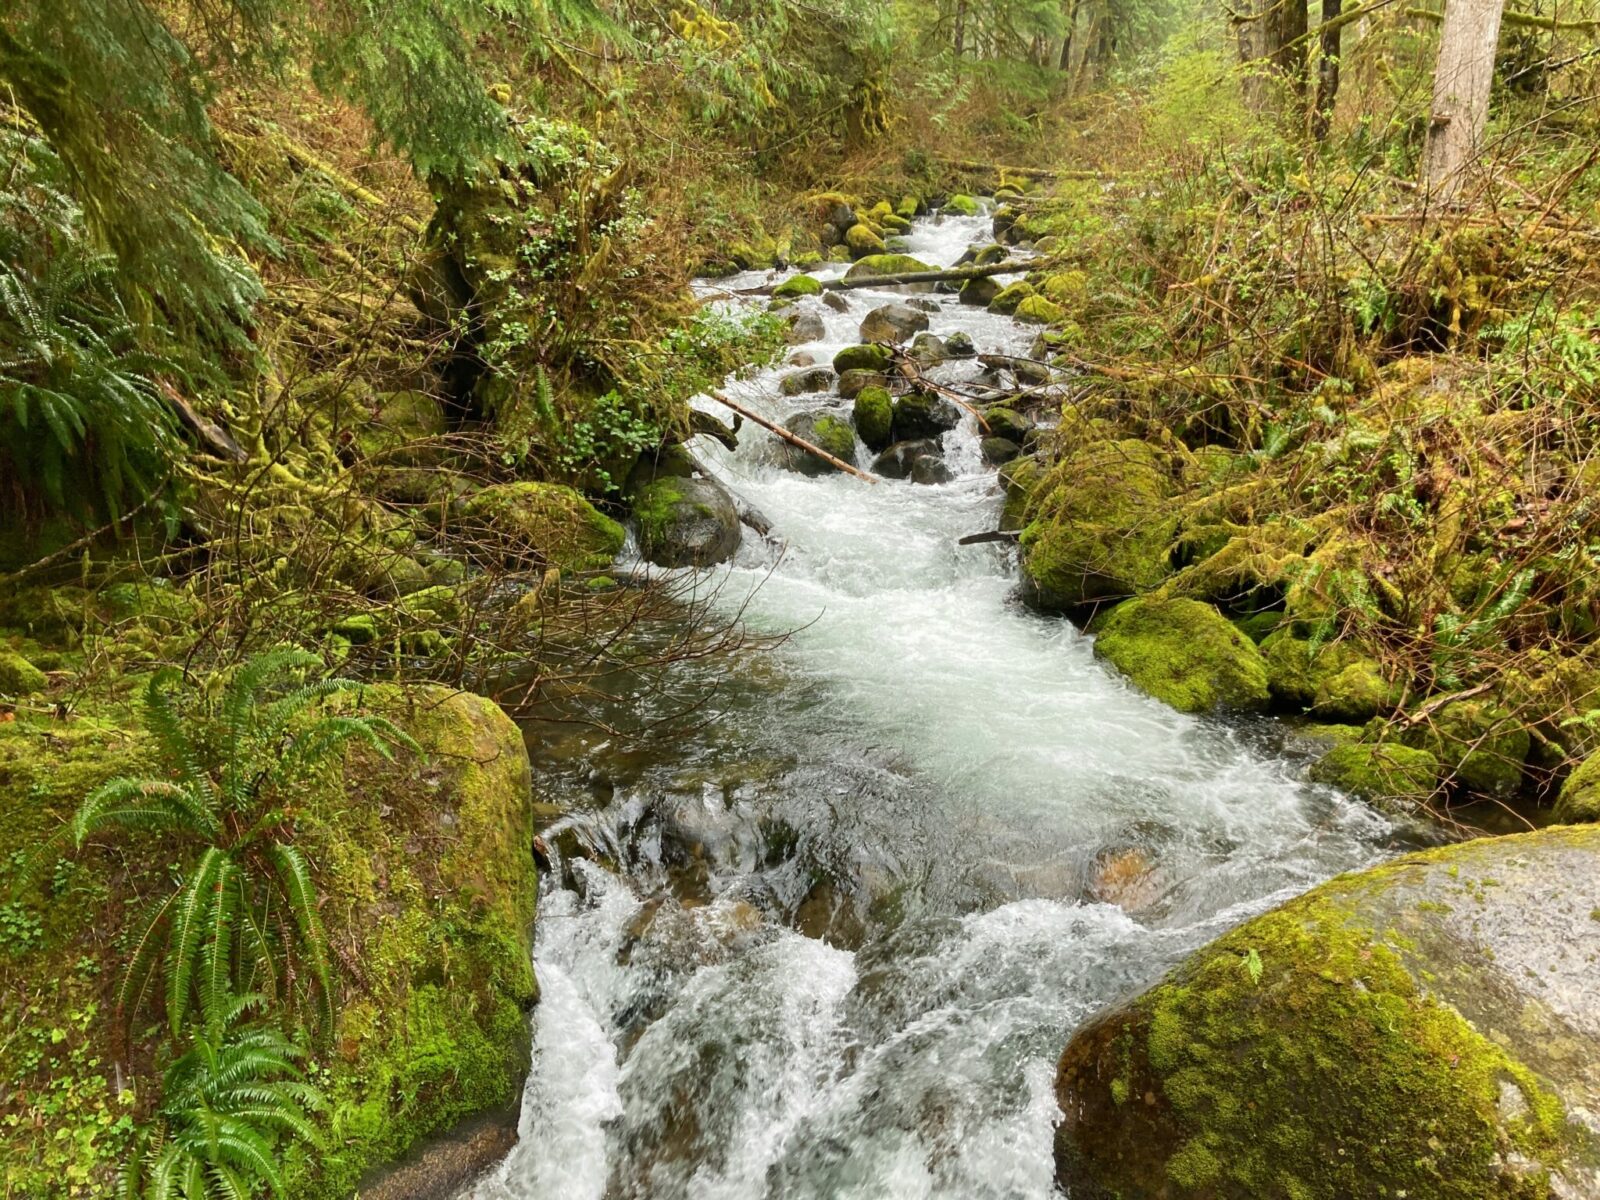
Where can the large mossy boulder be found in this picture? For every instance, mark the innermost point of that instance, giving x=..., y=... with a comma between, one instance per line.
x=1333, y=681
x=796, y=287
x=686, y=522
x=1184, y=653
x=18, y=676
x=1099, y=527
x=1425, y=1029
x=862, y=242
x=1579, y=800
x=1010, y=297
x=547, y=522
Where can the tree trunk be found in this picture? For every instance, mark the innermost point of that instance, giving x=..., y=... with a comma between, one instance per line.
x=1328, y=68
x=1460, y=94
x=1271, y=47
x=961, y=27
x=1066, y=42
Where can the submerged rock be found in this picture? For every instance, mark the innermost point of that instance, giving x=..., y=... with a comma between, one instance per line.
x=892, y=323
x=686, y=522
x=1425, y=1028
x=899, y=460
x=1184, y=653
x=805, y=327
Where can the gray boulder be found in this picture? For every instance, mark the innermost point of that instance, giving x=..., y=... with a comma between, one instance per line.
x=892, y=323
x=686, y=522
x=900, y=459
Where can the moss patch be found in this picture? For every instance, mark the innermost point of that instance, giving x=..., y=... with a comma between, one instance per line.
x=862, y=358
x=1184, y=653
x=800, y=285
x=873, y=415
x=1379, y=772
x=885, y=264
x=546, y=519
x=1580, y=794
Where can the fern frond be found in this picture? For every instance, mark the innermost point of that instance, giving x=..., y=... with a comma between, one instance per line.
x=216, y=951
x=134, y=989
x=294, y=877
x=188, y=927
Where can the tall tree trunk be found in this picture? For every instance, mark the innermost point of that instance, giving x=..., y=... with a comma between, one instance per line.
x=1327, y=69
x=961, y=27
x=1271, y=47
x=1460, y=94
x=1066, y=42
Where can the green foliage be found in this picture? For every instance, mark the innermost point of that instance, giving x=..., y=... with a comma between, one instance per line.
x=228, y=1104
x=243, y=917
x=83, y=427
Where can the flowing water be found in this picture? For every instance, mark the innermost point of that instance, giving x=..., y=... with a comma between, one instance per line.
x=831, y=943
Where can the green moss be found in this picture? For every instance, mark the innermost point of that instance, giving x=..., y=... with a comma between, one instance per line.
x=885, y=264
x=908, y=207
x=18, y=676
x=1184, y=653
x=862, y=358
x=358, y=629
x=862, y=242
x=1483, y=745
x=1333, y=681
x=549, y=519
x=1384, y=771
x=1579, y=801
x=656, y=505
x=1099, y=526
x=1036, y=310
x=873, y=415
x=1070, y=289
x=1020, y=477
x=963, y=205
x=1333, y=1074
x=799, y=285
x=1258, y=627
x=835, y=434
x=1008, y=299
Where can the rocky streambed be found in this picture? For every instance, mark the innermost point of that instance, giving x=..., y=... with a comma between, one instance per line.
x=832, y=940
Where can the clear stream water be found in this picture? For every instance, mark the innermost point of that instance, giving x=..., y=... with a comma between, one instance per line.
x=855, y=916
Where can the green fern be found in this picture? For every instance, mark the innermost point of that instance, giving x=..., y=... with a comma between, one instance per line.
x=244, y=916
x=229, y=1103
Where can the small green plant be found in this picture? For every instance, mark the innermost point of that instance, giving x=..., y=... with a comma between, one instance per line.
x=243, y=918
x=228, y=1104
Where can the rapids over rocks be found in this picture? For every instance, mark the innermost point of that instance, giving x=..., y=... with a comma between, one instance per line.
x=832, y=944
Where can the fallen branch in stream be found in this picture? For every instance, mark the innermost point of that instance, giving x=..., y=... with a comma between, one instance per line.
x=793, y=439
x=944, y=275
x=911, y=371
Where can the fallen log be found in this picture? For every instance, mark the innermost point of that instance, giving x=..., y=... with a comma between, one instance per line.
x=944, y=275
x=793, y=439
x=967, y=164
x=994, y=535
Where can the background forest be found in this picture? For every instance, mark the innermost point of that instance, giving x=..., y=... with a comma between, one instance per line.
x=333, y=338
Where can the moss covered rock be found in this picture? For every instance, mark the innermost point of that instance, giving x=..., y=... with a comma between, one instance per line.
x=1579, y=800
x=863, y=358
x=1019, y=477
x=1070, y=289
x=1385, y=773
x=980, y=292
x=1010, y=297
x=1481, y=744
x=890, y=264
x=1036, y=310
x=962, y=205
x=1184, y=653
x=828, y=431
x=874, y=416
x=1098, y=527
x=920, y=415
x=1332, y=681
x=861, y=241
x=1421, y=1029
x=18, y=676
x=546, y=521
x=686, y=522
x=793, y=289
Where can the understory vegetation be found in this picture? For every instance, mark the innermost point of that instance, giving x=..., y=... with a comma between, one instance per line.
x=338, y=343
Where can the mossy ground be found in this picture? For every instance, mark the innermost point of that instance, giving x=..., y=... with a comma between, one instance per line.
x=426, y=871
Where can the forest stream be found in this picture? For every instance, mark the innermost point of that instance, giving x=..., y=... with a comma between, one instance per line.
x=832, y=944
